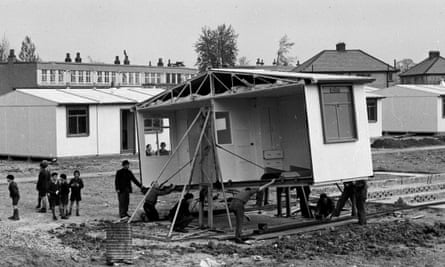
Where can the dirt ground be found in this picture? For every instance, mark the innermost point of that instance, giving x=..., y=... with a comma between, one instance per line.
x=412, y=238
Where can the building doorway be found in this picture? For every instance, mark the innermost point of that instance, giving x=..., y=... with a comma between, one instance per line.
x=128, y=139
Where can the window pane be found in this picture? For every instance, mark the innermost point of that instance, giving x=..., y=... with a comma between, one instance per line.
x=77, y=112
x=82, y=121
x=223, y=128
x=72, y=125
x=331, y=123
x=346, y=121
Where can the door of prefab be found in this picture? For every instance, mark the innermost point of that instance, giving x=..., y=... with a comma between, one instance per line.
x=235, y=125
x=128, y=142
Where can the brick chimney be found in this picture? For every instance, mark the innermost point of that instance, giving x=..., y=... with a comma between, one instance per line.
x=67, y=58
x=434, y=54
x=117, y=61
x=160, y=63
x=78, y=59
x=12, y=58
x=340, y=47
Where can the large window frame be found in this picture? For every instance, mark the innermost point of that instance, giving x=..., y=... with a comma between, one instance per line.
x=338, y=106
x=371, y=109
x=78, y=120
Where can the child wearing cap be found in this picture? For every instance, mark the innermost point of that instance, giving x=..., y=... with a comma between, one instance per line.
x=15, y=196
x=76, y=185
x=53, y=192
x=64, y=191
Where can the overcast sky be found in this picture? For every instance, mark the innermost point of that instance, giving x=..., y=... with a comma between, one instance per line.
x=149, y=29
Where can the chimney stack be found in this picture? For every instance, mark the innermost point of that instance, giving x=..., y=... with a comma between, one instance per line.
x=126, y=61
x=78, y=59
x=258, y=62
x=11, y=57
x=434, y=54
x=117, y=61
x=67, y=58
x=169, y=64
x=341, y=47
x=160, y=63
x=274, y=62
x=149, y=63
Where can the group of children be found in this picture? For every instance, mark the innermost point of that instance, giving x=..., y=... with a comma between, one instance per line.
x=57, y=193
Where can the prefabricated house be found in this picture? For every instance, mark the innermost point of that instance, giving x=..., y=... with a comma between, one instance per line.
x=51, y=123
x=313, y=124
x=374, y=109
x=413, y=109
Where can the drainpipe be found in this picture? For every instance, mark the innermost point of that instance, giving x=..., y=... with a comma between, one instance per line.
x=97, y=130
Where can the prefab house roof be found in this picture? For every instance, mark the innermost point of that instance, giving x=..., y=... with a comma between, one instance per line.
x=93, y=96
x=370, y=92
x=412, y=90
x=218, y=83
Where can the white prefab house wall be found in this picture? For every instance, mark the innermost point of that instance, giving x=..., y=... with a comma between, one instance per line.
x=375, y=127
x=338, y=161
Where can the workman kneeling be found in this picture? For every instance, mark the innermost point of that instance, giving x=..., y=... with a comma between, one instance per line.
x=151, y=213
x=237, y=207
x=184, y=217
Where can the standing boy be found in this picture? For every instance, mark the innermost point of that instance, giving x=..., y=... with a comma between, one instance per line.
x=76, y=185
x=122, y=182
x=53, y=193
x=237, y=207
x=64, y=191
x=15, y=196
x=42, y=185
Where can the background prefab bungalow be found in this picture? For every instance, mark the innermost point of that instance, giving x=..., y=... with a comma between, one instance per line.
x=313, y=124
x=49, y=123
x=374, y=108
x=413, y=109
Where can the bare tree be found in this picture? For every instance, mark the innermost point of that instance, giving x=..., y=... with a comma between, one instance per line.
x=405, y=64
x=243, y=61
x=4, y=48
x=284, y=47
x=216, y=48
x=28, y=51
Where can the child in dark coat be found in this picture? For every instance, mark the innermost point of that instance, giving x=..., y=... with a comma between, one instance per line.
x=76, y=185
x=53, y=193
x=15, y=196
x=64, y=191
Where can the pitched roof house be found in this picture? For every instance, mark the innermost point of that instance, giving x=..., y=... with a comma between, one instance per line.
x=429, y=71
x=350, y=62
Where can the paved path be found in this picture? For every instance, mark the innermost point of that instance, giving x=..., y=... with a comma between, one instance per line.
x=409, y=149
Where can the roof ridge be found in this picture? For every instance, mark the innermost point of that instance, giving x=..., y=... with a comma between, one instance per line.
x=379, y=60
x=309, y=61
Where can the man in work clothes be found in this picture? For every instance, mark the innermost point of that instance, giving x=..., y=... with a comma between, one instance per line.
x=152, y=198
x=237, y=207
x=42, y=185
x=123, y=180
x=357, y=192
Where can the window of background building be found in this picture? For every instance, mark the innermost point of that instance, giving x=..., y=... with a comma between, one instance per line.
x=371, y=106
x=60, y=72
x=80, y=76
x=99, y=76
x=158, y=77
x=147, y=77
x=73, y=76
x=173, y=77
x=124, y=77
x=443, y=107
x=113, y=77
x=88, y=76
x=338, y=114
x=136, y=78
x=52, y=76
x=44, y=75
x=77, y=120
x=390, y=78
x=107, y=76
x=130, y=77
x=167, y=78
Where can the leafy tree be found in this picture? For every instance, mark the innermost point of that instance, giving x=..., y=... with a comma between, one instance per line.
x=216, y=47
x=28, y=51
x=284, y=47
x=243, y=61
x=4, y=48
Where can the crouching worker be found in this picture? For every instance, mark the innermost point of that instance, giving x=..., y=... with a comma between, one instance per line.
x=15, y=196
x=184, y=217
x=151, y=214
x=325, y=207
x=237, y=207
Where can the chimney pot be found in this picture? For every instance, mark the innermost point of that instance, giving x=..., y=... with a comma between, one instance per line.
x=169, y=64
x=341, y=47
x=149, y=63
x=78, y=59
x=117, y=61
x=433, y=54
x=160, y=63
x=67, y=58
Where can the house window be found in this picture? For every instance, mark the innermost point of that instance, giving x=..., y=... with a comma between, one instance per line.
x=371, y=105
x=157, y=136
x=80, y=76
x=88, y=76
x=147, y=77
x=113, y=77
x=124, y=77
x=99, y=76
x=167, y=78
x=60, y=76
x=107, y=76
x=390, y=78
x=158, y=77
x=173, y=77
x=222, y=125
x=52, y=76
x=44, y=75
x=337, y=107
x=136, y=78
x=77, y=120
x=130, y=78
x=73, y=76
